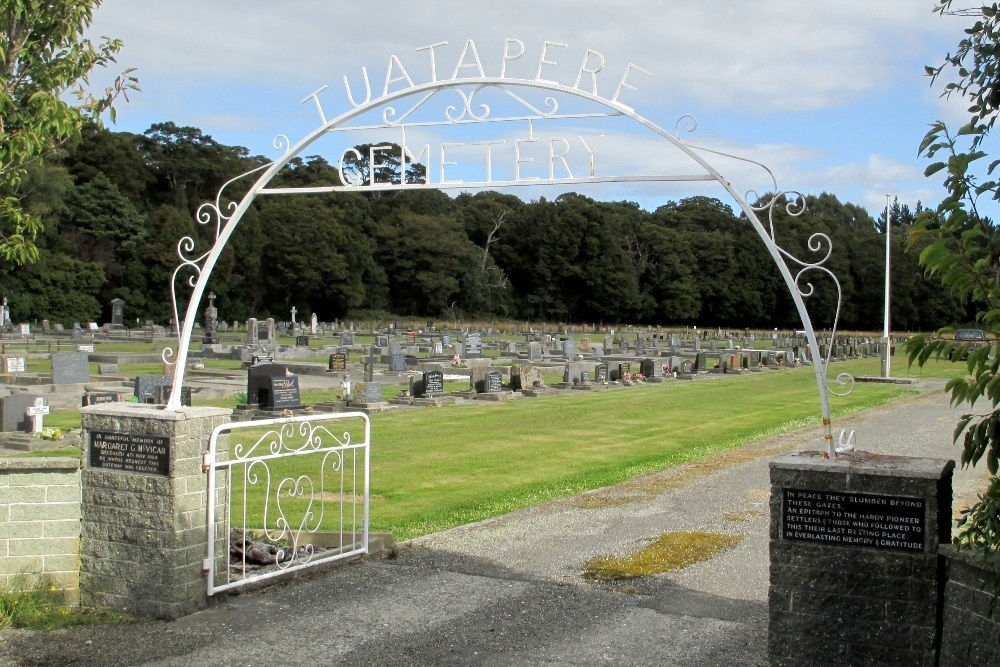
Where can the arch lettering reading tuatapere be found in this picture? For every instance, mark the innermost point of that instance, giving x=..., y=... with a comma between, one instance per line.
x=466, y=111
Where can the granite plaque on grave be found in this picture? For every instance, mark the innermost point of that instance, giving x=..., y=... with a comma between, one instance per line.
x=161, y=394
x=107, y=369
x=380, y=341
x=13, y=364
x=892, y=523
x=397, y=363
x=494, y=382
x=145, y=386
x=130, y=452
x=284, y=393
x=261, y=360
x=473, y=345
x=70, y=368
x=368, y=392
x=585, y=377
x=433, y=383
x=338, y=363
x=624, y=368
x=601, y=372
x=534, y=351
x=98, y=397
x=259, y=383
x=302, y=341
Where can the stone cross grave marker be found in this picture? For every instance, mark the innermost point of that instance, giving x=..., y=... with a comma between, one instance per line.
x=35, y=413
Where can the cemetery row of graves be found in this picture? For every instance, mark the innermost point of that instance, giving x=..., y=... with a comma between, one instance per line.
x=265, y=368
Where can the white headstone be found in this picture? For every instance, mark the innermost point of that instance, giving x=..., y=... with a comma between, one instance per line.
x=35, y=413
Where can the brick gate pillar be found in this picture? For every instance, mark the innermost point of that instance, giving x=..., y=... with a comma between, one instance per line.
x=143, y=533
x=855, y=572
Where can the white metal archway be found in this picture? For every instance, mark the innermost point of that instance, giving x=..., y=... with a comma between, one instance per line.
x=466, y=109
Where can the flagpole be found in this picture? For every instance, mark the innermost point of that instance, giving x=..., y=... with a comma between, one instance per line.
x=887, y=345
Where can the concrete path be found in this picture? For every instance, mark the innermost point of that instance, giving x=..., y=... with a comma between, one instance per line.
x=509, y=591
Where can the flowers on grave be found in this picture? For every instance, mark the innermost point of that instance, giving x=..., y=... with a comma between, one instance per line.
x=638, y=377
x=50, y=434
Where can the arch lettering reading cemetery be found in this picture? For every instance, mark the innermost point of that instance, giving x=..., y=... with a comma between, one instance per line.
x=473, y=100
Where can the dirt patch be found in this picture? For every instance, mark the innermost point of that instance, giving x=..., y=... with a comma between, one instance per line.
x=667, y=553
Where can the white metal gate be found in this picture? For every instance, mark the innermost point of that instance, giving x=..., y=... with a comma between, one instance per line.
x=284, y=495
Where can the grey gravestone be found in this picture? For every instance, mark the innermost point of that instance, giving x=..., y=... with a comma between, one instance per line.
x=609, y=342
x=569, y=348
x=446, y=340
x=525, y=377
x=438, y=348
x=58, y=328
x=117, y=314
x=598, y=351
x=534, y=351
x=701, y=361
x=573, y=373
x=107, y=369
x=380, y=341
x=494, y=382
x=369, y=370
x=473, y=345
x=651, y=368
x=252, y=331
x=347, y=338
x=395, y=347
x=477, y=378
x=368, y=392
x=211, y=335
x=13, y=412
x=397, y=363
x=338, y=363
x=98, y=397
x=70, y=368
x=144, y=387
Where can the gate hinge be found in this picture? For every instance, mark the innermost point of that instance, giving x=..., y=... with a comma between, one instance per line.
x=206, y=566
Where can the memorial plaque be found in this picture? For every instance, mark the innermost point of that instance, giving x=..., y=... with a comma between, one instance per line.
x=260, y=360
x=494, y=382
x=70, y=368
x=338, y=363
x=98, y=397
x=144, y=387
x=895, y=523
x=128, y=452
x=601, y=372
x=381, y=341
x=284, y=393
x=397, y=363
x=433, y=383
x=473, y=345
x=302, y=341
x=624, y=369
x=107, y=369
x=13, y=364
x=368, y=392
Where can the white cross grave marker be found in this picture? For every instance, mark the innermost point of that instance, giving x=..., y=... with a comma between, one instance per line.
x=35, y=413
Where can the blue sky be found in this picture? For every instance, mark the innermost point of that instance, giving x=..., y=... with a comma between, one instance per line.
x=830, y=95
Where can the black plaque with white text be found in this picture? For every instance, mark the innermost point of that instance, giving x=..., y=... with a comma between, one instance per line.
x=129, y=452
x=894, y=523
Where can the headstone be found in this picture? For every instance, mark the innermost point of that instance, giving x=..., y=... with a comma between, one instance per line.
x=117, y=314
x=601, y=373
x=701, y=362
x=302, y=341
x=569, y=348
x=211, y=335
x=259, y=383
x=473, y=345
x=161, y=394
x=252, y=331
x=98, y=397
x=338, y=363
x=433, y=382
x=70, y=368
x=14, y=412
x=347, y=338
x=397, y=363
x=107, y=369
x=624, y=368
x=144, y=387
x=283, y=393
x=534, y=351
x=525, y=377
x=438, y=348
x=12, y=364
x=573, y=374
x=35, y=412
x=368, y=392
x=313, y=323
x=261, y=359
x=651, y=368
x=494, y=382
x=85, y=348
x=58, y=328
x=609, y=342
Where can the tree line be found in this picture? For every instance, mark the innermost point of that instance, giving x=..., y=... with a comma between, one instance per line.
x=115, y=204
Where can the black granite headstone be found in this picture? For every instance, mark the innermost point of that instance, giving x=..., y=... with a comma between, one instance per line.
x=338, y=363
x=433, y=383
x=601, y=372
x=144, y=387
x=283, y=393
x=494, y=382
x=302, y=341
x=259, y=383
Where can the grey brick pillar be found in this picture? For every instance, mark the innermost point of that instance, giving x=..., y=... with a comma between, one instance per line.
x=143, y=533
x=855, y=575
